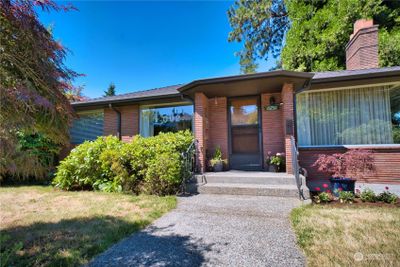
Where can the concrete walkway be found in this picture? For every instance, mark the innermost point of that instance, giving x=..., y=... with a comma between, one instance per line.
x=213, y=230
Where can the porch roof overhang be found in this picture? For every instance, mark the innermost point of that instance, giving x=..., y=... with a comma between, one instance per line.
x=247, y=84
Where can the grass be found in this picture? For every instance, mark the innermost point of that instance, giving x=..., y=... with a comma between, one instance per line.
x=349, y=235
x=41, y=226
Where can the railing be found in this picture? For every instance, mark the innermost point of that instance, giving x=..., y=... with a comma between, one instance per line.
x=189, y=163
x=296, y=167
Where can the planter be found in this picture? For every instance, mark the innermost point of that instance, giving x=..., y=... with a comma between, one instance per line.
x=347, y=184
x=273, y=168
x=218, y=167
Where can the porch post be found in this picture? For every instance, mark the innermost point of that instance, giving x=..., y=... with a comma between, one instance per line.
x=201, y=129
x=288, y=122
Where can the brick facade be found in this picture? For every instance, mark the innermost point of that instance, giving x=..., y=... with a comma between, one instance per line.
x=272, y=130
x=218, y=130
x=129, y=122
x=362, y=49
x=386, y=163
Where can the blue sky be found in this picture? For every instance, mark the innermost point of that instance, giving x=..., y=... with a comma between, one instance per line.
x=143, y=45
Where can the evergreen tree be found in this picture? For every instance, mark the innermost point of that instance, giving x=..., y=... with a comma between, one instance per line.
x=110, y=91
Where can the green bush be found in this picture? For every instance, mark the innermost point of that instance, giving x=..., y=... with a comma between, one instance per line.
x=346, y=197
x=152, y=165
x=367, y=195
x=323, y=197
x=387, y=197
x=86, y=167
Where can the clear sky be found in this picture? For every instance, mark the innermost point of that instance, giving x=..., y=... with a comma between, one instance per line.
x=144, y=45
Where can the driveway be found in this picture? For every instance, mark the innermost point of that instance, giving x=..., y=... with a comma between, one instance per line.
x=213, y=230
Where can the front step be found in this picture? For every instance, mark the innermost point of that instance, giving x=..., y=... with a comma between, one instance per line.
x=262, y=178
x=249, y=189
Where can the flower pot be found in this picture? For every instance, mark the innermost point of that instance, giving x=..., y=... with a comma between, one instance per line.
x=273, y=168
x=218, y=167
x=346, y=184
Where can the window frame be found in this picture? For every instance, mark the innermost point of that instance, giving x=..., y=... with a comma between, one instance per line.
x=395, y=85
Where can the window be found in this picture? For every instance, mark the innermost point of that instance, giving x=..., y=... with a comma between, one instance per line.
x=88, y=126
x=154, y=120
x=349, y=116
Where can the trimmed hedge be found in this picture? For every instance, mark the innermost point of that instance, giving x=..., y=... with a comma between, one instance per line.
x=146, y=165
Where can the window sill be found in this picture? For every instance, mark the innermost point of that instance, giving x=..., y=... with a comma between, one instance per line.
x=372, y=147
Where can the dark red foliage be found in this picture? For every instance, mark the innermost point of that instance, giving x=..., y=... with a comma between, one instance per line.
x=355, y=163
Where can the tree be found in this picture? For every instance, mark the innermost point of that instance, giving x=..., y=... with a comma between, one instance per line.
x=110, y=91
x=261, y=25
x=316, y=31
x=33, y=80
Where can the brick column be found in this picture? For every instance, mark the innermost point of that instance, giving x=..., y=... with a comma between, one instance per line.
x=288, y=122
x=272, y=130
x=218, y=129
x=129, y=122
x=201, y=129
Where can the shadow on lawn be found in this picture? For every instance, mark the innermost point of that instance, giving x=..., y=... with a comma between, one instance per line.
x=74, y=242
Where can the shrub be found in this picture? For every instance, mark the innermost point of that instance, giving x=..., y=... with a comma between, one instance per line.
x=323, y=197
x=86, y=168
x=387, y=196
x=153, y=165
x=367, y=195
x=355, y=163
x=346, y=197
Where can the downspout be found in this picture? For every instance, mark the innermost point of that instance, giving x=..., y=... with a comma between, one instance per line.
x=118, y=120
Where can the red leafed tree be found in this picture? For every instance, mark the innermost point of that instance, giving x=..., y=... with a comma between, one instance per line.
x=33, y=78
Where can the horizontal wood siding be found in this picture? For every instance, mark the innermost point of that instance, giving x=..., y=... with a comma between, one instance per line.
x=386, y=162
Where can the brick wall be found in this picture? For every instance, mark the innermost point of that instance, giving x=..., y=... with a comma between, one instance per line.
x=386, y=162
x=218, y=125
x=129, y=122
x=288, y=115
x=362, y=49
x=272, y=130
x=201, y=129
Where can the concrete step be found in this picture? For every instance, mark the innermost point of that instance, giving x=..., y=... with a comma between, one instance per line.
x=249, y=189
x=248, y=178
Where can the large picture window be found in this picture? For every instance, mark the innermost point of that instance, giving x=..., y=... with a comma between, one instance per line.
x=154, y=120
x=88, y=126
x=349, y=116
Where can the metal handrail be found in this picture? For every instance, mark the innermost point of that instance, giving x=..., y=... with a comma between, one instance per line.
x=189, y=163
x=296, y=167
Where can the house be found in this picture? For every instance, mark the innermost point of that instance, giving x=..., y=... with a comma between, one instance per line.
x=248, y=116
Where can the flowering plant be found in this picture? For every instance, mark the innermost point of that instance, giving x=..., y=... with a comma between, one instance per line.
x=355, y=163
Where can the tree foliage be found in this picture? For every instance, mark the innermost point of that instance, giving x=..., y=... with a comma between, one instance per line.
x=320, y=31
x=33, y=79
x=316, y=31
x=261, y=26
x=110, y=90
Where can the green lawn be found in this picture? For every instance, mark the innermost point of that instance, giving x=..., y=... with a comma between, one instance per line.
x=46, y=227
x=350, y=235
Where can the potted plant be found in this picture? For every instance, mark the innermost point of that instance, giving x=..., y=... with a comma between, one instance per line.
x=217, y=163
x=276, y=163
x=345, y=168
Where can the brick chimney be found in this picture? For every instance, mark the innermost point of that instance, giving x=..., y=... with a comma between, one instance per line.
x=362, y=49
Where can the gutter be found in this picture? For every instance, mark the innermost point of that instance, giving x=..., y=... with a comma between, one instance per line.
x=118, y=120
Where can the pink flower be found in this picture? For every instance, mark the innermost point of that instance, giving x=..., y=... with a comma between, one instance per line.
x=328, y=191
x=325, y=186
x=318, y=189
x=340, y=189
x=387, y=187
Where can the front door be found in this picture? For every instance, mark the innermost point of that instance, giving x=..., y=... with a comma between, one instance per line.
x=244, y=133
